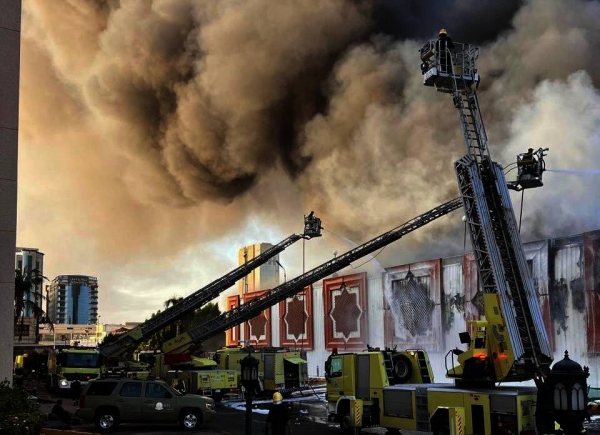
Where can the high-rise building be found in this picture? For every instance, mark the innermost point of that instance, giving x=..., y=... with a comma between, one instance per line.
x=30, y=261
x=73, y=299
x=264, y=277
x=259, y=280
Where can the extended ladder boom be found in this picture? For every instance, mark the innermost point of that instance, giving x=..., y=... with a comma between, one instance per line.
x=254, y=307
x=519, y=334
x=312, y=228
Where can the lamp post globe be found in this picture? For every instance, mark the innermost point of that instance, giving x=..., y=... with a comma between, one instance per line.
x=249, y=369
x=568, y=386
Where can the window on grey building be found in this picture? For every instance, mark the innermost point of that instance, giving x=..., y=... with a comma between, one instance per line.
x=21, y=330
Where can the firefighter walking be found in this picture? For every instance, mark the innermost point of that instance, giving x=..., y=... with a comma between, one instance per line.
x=278, y=419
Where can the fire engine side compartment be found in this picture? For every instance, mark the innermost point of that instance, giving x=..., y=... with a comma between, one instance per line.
x=416, y=406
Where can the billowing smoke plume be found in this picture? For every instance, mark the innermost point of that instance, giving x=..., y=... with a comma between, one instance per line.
x=155, y=126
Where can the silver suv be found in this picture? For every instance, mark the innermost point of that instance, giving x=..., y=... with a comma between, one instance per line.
x=109, y=402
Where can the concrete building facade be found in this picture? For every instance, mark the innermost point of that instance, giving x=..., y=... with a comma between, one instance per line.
x=31, y=261
x=72, y=335
x=428, y=307
x=263, y=277
x=251, y=286
x=73, y=299
x=10, y=45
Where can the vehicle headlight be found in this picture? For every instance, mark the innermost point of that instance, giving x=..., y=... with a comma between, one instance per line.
x=210, y=405
x=64, y=383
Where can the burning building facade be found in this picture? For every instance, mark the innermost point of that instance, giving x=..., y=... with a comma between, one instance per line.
x=426, y=304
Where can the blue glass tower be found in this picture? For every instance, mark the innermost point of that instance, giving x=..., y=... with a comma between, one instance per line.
x=73, y=299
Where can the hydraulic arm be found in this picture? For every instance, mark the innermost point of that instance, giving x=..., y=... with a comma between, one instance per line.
x=254, y=307
x=514, y=345
x=312, y=228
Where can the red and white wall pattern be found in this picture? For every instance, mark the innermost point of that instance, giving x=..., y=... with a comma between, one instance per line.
x=425, y=305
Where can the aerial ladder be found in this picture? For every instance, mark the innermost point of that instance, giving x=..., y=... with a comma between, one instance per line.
x=253, y=308
x=516, y=332
x=529, y=176
x=312, y=229
x=395, y=389
x=511, y=344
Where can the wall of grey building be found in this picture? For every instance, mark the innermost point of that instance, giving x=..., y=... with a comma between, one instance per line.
x=10, y=40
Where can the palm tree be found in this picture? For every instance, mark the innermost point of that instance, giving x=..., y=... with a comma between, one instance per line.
x=26, y=297
x=180, y=322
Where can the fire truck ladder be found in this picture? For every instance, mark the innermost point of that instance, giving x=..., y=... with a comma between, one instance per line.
x=389, y=365
x=423, y=368
x=253, y=308
x=312, y=228
x=494, y=233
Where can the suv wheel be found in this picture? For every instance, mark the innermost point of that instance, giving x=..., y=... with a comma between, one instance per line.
x=190, y=419
x=106, y=420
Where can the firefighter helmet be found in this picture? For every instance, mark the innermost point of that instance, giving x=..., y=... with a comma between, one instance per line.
x=443, y=32
x=277, y=397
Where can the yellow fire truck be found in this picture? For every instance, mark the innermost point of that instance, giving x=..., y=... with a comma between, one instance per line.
x=65, y=365
x=200, y=375
x=395, y=390
x=280, y=369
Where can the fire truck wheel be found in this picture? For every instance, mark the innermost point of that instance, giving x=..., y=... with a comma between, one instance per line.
x=346, y=426
x=402, y=369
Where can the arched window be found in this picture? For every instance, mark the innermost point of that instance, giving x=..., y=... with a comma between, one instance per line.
x=560, y=397
x=577, y=398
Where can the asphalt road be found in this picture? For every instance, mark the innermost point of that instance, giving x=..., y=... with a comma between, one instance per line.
x=228, y=421
x=308, y=417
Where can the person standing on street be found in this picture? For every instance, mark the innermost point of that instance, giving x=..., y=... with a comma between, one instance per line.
x=75, y=390
x=278, y=420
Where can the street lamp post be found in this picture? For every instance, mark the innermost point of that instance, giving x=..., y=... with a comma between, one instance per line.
x=251, y=384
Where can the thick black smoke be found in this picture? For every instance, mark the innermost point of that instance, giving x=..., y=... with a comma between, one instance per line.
x=158, y=125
